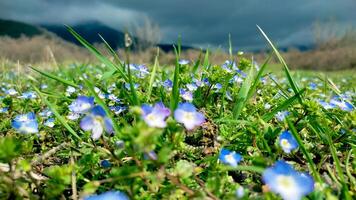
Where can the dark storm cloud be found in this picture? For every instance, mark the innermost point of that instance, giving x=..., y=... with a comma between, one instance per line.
x=200, y=22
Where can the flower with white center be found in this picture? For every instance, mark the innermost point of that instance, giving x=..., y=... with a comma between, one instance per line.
x=187, y=114
x=28, y=95
x=186, y=95
x=110, y=195
x=11, y=92
x=155, y=116
x=326, y=105
x=82, y=104
x=46, y=113
x=26, y=123
x=96, y=121
x=281, y=115
x=287, y=141
x=282, y=179
x=118, y=109
x=192, y=87
x=49, y=122
x=167, y=84
x=70, y=90
x=73, y=116
x=229, y=157
x=267, y=106
x=343, y=105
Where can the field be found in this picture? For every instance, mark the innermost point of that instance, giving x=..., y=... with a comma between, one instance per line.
x=193, y=130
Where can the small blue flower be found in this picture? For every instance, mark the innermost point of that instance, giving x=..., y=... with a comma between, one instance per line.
x=4, y=110
x=287, y=141
x=229, y=157
x=46, y=113
x=313, y=86
x=70, y=90
x=326, y=105
x=82, y=104
x=26, y=123
x=110, y=195
x=186, y=95
x=281, y=115
x=28, y=95
x=127, y=86
x=11, y=92
x=240, y=192
x=96, y=121
x=167, y=84
x=187, y=114
x=105, y=163
x=192, y=87
x=183, y=62
x=343, y=105
x=49, y=122
x=282, y=179
x=155, y=116
x=118, y=109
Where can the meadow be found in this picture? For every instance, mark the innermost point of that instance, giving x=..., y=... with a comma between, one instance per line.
x=194, y=130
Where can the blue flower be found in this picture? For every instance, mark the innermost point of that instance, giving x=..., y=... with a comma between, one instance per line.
x=11, y=92
x=127, y=86
x=110, y=195
x=167, y=84
x=26, y=123
x=118, y=109
x=186, y=95
x=187, y=114
x=343, y=105
x=28, y=95
x=4, y=110
x=326, y=105
x=82, y=104
x=281, y=115
x=46, y=113
x=282, y=179
x=287, y=141
x=105, y=163
x=313, y=86
x=155, y=116
x=229, y=157
x=96, y=121
x=49, y=122
x=183, y=62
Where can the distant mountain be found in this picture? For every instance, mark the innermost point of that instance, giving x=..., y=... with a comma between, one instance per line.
x=16, y=29
x=89, y=31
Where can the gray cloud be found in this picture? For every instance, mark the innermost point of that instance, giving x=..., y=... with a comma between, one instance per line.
x=200, y=22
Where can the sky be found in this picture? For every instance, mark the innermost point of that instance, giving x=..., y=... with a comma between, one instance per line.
x=201, y=23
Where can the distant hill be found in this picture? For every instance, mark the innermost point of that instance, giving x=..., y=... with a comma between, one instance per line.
x=16, y=29
x=89, y=31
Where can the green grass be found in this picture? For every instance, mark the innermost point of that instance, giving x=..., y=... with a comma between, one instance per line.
x=185, y=165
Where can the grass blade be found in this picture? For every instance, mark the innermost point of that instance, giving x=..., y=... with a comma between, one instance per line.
x=282, y=106
x=242, y=95
x=51, y=76
x=304, y=150
x=285, y=66
x=153, y=74
x=175, y=89
x=97, y=54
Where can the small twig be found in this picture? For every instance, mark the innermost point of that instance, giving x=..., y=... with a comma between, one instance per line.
x=177, y=182
x=74, y=179
x=49, y=153
x=202, y=184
